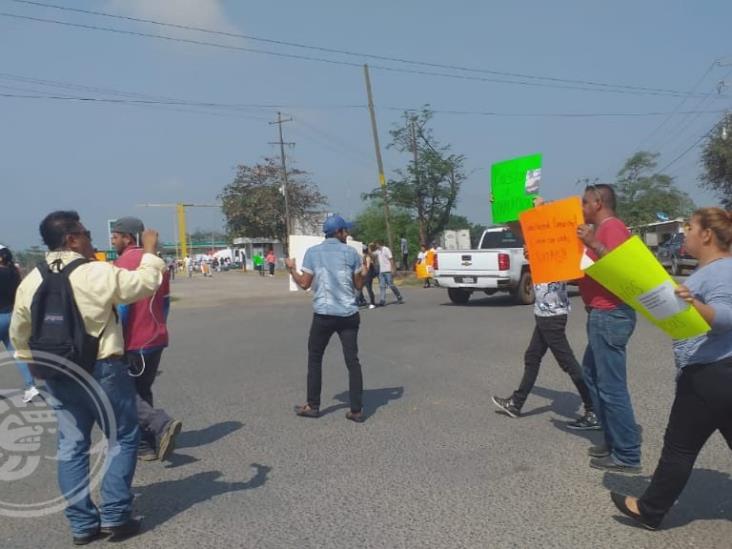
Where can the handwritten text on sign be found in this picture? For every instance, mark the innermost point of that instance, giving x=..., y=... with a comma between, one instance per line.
x=514, y=184
x=550, y=233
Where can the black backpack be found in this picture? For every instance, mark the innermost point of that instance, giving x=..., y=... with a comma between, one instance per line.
x=57, y=325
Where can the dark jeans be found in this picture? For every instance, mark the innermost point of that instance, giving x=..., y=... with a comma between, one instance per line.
x=550, y=333
x=77, y=410
x=271, y=268
x=321, y=330
x=369, y=284
x=608, y=332
x=703, y=405
x=152, y=420
x=405, y=262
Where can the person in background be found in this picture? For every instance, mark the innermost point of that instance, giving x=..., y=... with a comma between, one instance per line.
x=703, y=401
x=404, y=247
x=422, y=260
x=271, y=260
x=188, y=265
x=9, y=282
x=386, y=274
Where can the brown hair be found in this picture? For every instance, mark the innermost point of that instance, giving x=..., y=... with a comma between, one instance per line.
x=717, y=220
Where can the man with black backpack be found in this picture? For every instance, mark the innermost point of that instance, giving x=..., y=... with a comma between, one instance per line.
x=66, y=306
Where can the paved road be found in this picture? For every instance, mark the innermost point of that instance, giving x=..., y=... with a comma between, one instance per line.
x=434, y=465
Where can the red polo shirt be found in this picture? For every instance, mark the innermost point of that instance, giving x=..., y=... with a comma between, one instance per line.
x=611, y=233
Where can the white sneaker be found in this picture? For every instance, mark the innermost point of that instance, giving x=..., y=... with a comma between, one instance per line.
x=30, y=394
x=372, y=306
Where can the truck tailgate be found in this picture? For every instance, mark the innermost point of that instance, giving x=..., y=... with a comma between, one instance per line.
x=467, y=261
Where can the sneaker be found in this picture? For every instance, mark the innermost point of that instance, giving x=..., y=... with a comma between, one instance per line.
x=608, y=464
x=400, y=301
x=167, y=439
x=147, y=454
x=507, y=405
x=587, y=422
x=30, y=394
x=372, y=306
x=87, y=538
x=123, y=531
x=599, y=451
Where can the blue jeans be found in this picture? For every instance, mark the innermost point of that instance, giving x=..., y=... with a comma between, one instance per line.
x=77, y=412
x=385, y=279
x=604, y=363
x=5, y=338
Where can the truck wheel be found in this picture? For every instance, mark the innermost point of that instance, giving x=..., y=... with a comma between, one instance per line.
x=524, y=293
x=458, y=295
x=675, y=268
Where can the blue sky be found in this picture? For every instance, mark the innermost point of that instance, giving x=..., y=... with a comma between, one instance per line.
x=102, y=159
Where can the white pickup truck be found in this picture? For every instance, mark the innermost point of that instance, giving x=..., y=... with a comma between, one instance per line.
x=498, y=265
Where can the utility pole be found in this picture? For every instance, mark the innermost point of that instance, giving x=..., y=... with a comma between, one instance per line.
x=285, y=186
x=413, y=130
x=379, y=162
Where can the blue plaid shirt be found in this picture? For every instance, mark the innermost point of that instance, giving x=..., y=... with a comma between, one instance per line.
x=333, y=264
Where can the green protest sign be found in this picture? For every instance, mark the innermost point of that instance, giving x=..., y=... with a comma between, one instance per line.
x=514, y=185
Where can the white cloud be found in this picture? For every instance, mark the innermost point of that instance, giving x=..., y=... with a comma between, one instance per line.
x=207, y=14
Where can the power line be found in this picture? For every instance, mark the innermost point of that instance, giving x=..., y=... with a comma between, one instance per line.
x=266, y=107
x=347, y=52
x=692, y=147
x=649, y=91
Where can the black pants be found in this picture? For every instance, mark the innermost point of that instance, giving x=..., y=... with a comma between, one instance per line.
x=550, y=333
x=271, y=268
x=405, y=262
x=321, y=330
x=369, y=283
x=152, y=420
x=703, y=404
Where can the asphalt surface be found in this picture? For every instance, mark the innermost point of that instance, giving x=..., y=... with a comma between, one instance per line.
x=434, y=465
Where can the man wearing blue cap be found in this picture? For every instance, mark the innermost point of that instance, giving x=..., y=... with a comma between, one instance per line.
x=335, y=271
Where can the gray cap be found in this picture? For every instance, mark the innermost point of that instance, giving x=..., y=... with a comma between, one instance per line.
x=128, y=225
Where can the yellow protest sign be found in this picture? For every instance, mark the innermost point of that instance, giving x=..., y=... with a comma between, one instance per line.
x=632, y=273
x=550, y=233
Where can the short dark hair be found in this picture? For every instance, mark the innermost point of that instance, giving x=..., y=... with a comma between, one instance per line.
x=606, y=193
x=56, y=225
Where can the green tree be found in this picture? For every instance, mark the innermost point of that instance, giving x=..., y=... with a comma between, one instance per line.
x=428, y=188
x=717, y=163
x=369, y=226
x=29, y=258
x=643, y=193
x=200, y=235
x=254, y=203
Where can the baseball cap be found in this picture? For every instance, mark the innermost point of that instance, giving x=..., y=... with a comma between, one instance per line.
x=128, y=225
x=335, y=223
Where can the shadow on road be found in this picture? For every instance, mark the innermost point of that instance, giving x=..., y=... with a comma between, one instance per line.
x=373, y=399
x=707, y=496
x=161, y=501
x=207, y=435
x=500, y=300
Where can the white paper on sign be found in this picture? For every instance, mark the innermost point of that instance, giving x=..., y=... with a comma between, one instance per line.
x=532, y=181
x=661, y=302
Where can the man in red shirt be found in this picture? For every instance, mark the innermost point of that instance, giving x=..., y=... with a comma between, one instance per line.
x=146, y=335
x=610, y=323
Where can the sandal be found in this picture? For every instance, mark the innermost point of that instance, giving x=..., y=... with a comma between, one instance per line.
x=357, y=417
x=306, y=410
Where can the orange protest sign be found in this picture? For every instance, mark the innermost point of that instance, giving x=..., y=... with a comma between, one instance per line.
x=550, y=233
